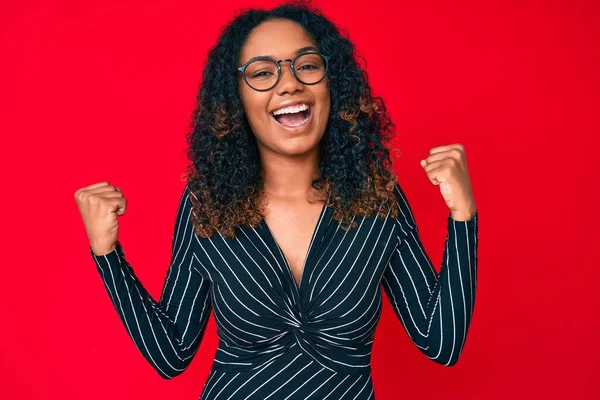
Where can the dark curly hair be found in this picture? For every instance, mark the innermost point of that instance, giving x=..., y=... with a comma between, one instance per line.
x=355, y=166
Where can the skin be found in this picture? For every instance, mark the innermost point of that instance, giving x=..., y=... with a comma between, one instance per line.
x=446, y=167
x=290, y=161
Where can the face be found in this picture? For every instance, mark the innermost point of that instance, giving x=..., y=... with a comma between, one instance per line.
x=280, y=39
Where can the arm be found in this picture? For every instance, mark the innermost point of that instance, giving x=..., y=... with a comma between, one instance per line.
x=434, y=309
x=167, y=333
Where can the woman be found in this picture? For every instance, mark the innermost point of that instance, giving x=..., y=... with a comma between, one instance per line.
x=290, y=222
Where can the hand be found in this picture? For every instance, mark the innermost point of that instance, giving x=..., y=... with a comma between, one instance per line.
x=446, y=166
x=100, y=204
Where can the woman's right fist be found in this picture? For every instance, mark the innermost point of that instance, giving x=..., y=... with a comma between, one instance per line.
x=100, y=204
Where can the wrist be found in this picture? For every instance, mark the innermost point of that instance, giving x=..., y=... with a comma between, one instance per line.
x=102, y=249
x=463, y=215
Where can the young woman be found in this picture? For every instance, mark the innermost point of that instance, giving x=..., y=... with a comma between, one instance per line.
x=289, y=224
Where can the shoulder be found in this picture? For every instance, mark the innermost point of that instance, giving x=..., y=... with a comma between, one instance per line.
x=186, y=194
x=405, y=216
x=186, y=200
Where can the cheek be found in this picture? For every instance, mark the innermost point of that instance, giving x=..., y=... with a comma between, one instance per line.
x=325, y=107
x=255, y=106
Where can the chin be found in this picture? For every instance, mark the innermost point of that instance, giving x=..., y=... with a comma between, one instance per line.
x=299, y=148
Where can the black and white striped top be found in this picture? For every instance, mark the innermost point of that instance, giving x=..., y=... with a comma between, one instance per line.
x=283, y=340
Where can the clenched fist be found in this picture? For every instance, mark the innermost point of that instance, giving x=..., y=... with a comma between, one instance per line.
x=100, y=204
x=446, y=166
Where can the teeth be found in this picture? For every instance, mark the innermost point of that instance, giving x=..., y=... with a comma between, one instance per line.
x=291, y=110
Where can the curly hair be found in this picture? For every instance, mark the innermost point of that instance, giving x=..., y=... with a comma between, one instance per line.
x=355, y=167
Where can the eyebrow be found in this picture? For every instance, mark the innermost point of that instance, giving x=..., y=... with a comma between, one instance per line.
x=306, y=49
x=298, y=52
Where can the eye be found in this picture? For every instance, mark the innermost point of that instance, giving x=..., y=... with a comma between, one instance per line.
x=261, y=74
x=309, y=66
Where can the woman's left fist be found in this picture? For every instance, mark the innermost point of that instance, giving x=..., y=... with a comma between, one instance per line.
x=446, y=166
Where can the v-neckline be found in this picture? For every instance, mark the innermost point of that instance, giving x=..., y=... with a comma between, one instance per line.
x=297, y=285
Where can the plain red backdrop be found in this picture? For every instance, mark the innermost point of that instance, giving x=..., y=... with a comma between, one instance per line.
x=104, y=90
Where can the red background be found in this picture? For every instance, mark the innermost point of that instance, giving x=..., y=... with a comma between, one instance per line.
x=104, y=90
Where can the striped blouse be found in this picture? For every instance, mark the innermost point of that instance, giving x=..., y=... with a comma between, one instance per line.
x=282, y=340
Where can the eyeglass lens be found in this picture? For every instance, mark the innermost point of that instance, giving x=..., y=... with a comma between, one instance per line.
x=262, y=74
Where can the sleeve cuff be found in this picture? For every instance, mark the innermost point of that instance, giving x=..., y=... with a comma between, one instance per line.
x=114, y=258
x=471, y=221
x=469, y=227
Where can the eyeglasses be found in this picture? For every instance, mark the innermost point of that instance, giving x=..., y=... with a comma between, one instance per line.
x=262, y=73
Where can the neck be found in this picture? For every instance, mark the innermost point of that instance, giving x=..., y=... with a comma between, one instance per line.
x=290, y=177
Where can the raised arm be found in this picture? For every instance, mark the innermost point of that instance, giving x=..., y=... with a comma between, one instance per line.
x=434, y=309
x=167, y=333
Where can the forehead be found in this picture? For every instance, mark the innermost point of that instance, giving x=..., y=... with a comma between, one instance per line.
x=275, y=38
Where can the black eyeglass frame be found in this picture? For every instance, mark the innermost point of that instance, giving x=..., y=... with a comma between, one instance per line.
x=242, y=69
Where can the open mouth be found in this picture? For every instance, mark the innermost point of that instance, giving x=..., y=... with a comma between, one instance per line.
x=294, y=119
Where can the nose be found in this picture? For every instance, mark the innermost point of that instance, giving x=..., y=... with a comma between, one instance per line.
x=287, y=81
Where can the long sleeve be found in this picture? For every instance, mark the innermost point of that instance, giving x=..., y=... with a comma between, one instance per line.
x=167, y=333
x=434, y=309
